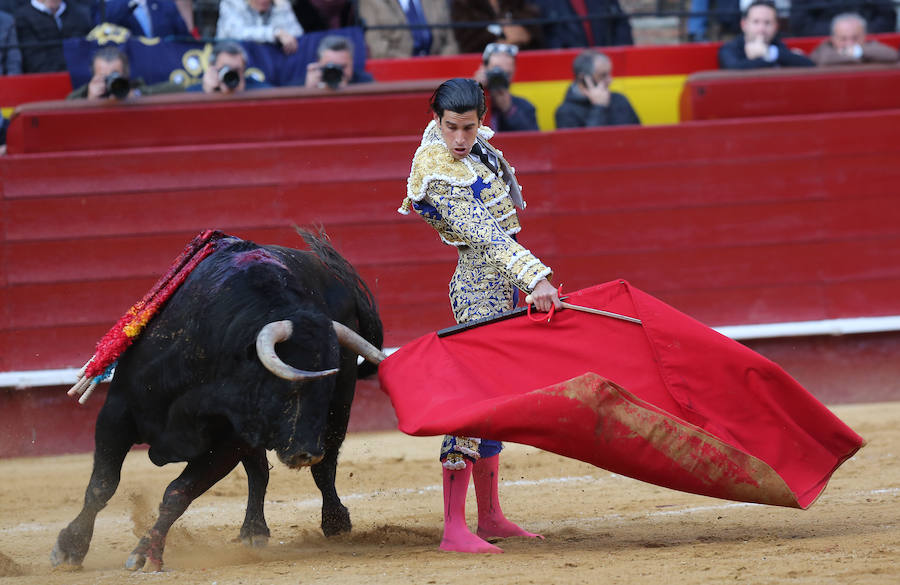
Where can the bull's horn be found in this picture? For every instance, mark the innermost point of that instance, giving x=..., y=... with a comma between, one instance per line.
x=276, y=332
x=353, y=340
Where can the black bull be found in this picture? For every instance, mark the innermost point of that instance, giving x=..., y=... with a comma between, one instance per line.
x=195, y=388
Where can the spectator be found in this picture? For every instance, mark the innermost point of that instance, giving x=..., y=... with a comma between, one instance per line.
x=109, y=65
x=316, y=15
x=334, y=67
x=226, y=72
x=848, y=44
x=812, y=18
x=498, y=68
x=502, y=15
x=567, y=31
x=758, y=45
x=41, y=26
x=725, y=14
x=10, y=56
x=588, y=101
x=145, y=18
x=261, y=21
x=399, y=41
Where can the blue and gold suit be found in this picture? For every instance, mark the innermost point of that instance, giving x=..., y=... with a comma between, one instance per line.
x=473, y=209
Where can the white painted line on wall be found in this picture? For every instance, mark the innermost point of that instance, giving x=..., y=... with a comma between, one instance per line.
x=852, y=326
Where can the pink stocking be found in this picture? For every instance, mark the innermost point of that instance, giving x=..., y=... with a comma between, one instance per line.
x=491, y=521
x=457, y=536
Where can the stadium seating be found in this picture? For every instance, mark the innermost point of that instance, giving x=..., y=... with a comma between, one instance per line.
x=711, y=95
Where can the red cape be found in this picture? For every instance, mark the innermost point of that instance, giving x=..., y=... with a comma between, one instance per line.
x=669, y=401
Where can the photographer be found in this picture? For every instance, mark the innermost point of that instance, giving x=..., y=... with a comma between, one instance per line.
x=589, y=102
x=110, y=79
x=334, y=67
x=508, y=112
x=226, y=71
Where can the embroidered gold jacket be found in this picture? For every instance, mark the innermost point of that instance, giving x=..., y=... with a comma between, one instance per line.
x=470, y=206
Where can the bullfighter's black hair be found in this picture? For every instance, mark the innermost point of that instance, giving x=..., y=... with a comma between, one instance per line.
x=458, y=95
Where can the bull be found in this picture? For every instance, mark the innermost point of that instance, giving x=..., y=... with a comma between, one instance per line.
x=203, y=384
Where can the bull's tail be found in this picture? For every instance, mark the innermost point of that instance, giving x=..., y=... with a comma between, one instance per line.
x=370, y=326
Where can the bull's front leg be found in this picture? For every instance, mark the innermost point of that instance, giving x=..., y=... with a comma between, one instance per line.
x=255, y=531
x=198, y=476
x=114, y=435
x=335, y=516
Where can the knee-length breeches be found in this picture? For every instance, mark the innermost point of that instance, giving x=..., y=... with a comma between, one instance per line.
x=476, y=291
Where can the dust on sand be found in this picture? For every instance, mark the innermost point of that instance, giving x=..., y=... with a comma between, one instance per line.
x=599, y=527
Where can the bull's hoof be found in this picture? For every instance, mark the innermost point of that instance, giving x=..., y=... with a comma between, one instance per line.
x=140, y=558
x=336, y=521
x=255, y=533
x=61, y=558
x=69, y=550
x=135, y=561
x=256, y=540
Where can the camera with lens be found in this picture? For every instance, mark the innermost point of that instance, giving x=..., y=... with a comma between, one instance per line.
x=229, y=77
x=332, y=75
x=497, y=79
x=117, y=86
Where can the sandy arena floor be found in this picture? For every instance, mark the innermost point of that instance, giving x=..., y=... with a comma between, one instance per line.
x=599, y=528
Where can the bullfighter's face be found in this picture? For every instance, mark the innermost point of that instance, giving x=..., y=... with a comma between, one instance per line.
x=459, y=131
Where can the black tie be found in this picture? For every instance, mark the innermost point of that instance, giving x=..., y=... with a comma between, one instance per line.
x=480, y=152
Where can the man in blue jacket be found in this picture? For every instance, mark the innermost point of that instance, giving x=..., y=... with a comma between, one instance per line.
x=758, y=45
x=145, y=18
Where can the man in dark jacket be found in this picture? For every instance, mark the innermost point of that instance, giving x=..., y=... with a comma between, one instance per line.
x=42, y=25
x=758, y=45
x=588, y=102
x=145, y=18
x=509, y=113
x=566, y=30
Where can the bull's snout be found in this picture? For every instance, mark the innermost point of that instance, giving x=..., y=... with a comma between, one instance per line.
x=300, y=459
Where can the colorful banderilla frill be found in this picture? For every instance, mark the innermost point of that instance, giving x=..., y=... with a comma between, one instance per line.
x=129, y=326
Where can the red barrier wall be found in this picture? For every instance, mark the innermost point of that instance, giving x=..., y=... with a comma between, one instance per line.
x=734, y=222
x=20, y=89
x=714, y=95
x=269, y=115
x=718, y=218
